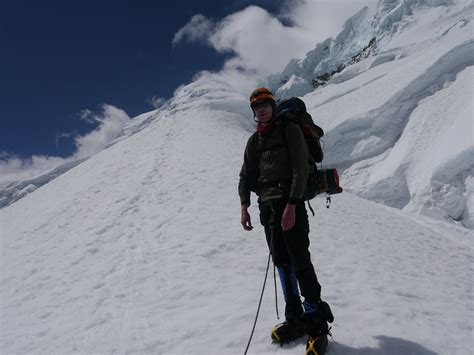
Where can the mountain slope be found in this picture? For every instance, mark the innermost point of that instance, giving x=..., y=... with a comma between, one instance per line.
x=139, y=249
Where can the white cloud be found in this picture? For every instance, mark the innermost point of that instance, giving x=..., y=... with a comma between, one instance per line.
x=156, y=101
x=259, y=41
x=110, y=123
x=198, y=29
x=87, y=116
x=13, y=168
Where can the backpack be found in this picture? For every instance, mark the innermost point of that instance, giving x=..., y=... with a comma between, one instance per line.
x=319, y=180
x=294, y=110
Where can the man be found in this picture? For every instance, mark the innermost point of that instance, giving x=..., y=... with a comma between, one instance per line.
x=276, y=167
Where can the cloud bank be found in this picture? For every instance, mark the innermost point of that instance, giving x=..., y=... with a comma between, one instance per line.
x=110, y=123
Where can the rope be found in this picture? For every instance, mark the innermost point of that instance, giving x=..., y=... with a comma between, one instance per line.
x=276, y=297
x=273, y=226
x=259, y=304
x=310, y=207
x=265, y=282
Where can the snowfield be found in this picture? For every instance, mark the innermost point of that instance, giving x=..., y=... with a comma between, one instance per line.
x=139, y=249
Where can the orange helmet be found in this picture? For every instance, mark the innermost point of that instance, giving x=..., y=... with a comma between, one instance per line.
x=261, y=94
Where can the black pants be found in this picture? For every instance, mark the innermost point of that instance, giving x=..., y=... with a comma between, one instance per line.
x=291, y=247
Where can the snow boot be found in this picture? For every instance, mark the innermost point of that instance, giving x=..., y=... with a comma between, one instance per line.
x=287, y=332
x=292, y=328
x=315, y=323
x=317, y=345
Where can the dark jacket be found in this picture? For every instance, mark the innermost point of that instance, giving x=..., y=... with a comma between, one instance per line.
x=283, y=159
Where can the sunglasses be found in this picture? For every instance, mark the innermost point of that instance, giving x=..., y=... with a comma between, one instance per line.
x=261, y=104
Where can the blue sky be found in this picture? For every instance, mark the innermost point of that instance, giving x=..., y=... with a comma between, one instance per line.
x=62, y=57
x=69, y=66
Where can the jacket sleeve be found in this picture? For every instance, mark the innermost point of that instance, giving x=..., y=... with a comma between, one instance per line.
x=299, y=161
x=247, y=172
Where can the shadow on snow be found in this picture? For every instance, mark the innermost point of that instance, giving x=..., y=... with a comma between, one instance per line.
x=387, y=346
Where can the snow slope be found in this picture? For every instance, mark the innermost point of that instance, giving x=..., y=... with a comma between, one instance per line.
x=139, y=250
x=16, y=190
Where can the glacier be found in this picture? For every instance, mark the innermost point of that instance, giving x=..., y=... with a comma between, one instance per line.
x=371, y=109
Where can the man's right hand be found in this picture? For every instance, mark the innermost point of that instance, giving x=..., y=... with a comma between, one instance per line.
x=245, y=218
